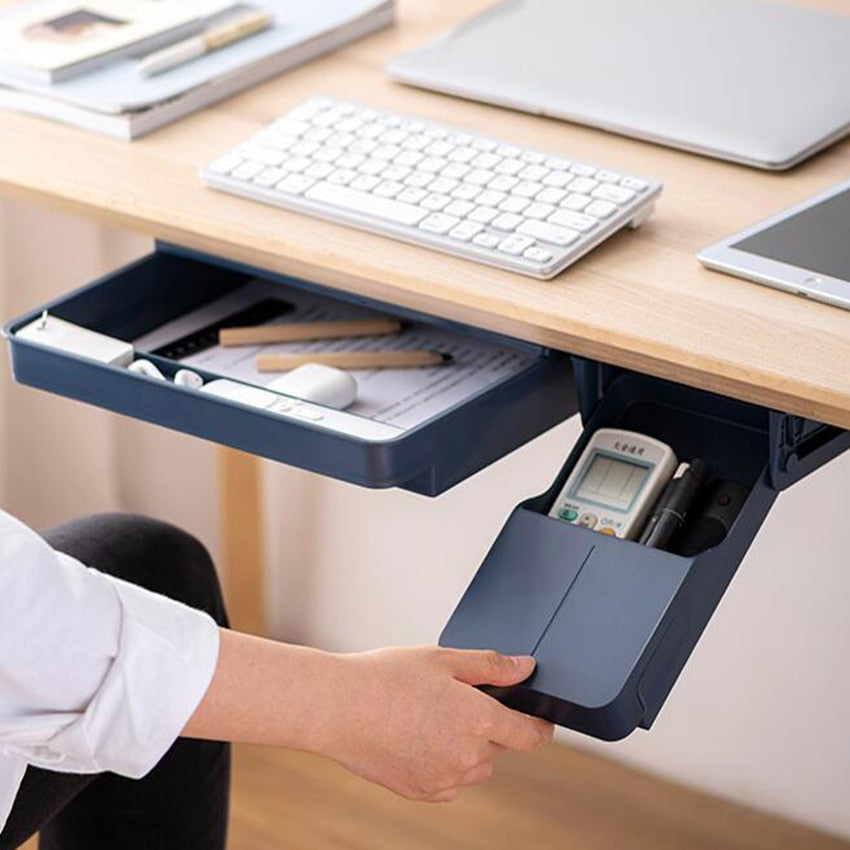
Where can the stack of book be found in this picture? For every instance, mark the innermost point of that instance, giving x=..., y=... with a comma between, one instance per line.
x=126, y=67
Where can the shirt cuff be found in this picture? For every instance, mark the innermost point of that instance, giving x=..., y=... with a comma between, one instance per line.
x=166, y=659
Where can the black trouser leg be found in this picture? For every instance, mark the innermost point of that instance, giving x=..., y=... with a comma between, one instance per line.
x=182, y=803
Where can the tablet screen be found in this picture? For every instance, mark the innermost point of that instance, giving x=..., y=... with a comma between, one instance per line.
x=816, y=239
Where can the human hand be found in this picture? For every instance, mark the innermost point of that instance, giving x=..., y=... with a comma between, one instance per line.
x=410, y=719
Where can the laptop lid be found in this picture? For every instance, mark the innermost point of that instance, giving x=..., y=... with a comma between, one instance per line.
x=761, y=83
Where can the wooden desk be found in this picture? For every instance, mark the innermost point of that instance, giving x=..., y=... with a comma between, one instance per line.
x=641, y=300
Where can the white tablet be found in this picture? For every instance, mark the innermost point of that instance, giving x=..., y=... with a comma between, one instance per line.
x=804, y=249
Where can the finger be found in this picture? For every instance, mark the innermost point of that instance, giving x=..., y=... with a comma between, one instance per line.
x=486, y=667
x=518, y=731
x=447, y=796
x=480, y=773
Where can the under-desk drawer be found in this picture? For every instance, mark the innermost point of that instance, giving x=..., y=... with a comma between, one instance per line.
x=420, y=429
x=612, y=622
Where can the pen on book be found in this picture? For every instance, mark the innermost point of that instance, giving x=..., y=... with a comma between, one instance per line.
x=673, y=505
x=305, y=331
x=403, y=359
x=231, y=30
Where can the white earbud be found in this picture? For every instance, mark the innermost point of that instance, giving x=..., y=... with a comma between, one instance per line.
x=318, y=383
x=188, y=378
x=145, y=367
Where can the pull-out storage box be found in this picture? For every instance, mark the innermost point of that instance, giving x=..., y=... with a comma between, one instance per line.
x=612, y=622
x=428, y=457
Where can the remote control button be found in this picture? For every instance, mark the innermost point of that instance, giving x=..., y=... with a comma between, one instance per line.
x=607, y=530
x=568, y=514
x=588, y=520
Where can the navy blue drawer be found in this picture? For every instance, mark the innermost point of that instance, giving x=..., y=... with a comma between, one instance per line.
x=612, y=622
x=426, y=458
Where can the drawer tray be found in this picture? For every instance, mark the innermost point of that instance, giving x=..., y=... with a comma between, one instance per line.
x=530, y=390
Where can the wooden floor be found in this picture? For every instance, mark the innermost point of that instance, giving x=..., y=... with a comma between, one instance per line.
x=558, y=798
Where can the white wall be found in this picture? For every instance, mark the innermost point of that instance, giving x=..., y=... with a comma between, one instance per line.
x=759, y=713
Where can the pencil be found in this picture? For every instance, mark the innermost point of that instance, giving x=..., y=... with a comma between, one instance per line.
x=303, y=331
x=410, y=359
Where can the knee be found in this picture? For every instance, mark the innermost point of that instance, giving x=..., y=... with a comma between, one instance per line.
x=146, y=552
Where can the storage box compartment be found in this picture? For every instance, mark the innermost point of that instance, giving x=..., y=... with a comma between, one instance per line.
x=611, y=622
x=427, y=457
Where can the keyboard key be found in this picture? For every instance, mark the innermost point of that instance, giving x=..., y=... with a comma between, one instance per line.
x=463, y=154
x=479, y=176
x=388, y=189
x=575, y=202
x=509, y=166
x=386, y=152
x=465, y=231
x=349, y=160
x=392, y=137
x=436, y=202
x=486, y=240
x=466, y=192
x=484, y=144
x=459, y=208
x=533, y=172
x=416, y=143
x=318, y=134
x=269, y=177
x=319, y=170
x=502, y=183
x=418, y=179
x=615, y=194
x=327, y=154
x=434, y=164
x=288, y=127
x=601, y=209
x=507, y=221
x=538, y=210
x=486, y=160
x=508, y=150
x=295, y=184
x=395, y=172
x=410, y=195
x=634, y=183
x=439, y=148
x=435, y=132
x=557, y=163
x=537, y=255
x=574, y=220
x=365, y=182
x=456, y=170
x=442, y=185
x=262, y=154
x=371, y=131
x=247, y=171
x=533, y=157
x=582, y=170
x=483, y=214
x=491, y=198
x=527, y=189
x=409, y=158
x=361, y=202
x=546, y=232
x=583, y=185
x=225, y=164
x=513, y=204
x=438, y=223
x=304, y=148
x=342, y=176
x=608, y=176
x=550, y=195
x=515, y=244
x=372, y=166
x=557, y=179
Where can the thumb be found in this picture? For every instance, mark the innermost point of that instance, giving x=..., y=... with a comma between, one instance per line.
x=487, y=667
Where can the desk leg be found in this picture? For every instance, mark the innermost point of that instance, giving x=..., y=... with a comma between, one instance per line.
x=242, y=540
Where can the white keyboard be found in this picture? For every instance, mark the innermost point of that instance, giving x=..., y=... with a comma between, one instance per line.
x=454, y=191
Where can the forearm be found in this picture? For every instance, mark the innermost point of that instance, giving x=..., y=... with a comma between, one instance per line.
x=266, y=692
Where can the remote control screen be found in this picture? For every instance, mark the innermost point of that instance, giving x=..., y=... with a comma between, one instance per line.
x=611, y=481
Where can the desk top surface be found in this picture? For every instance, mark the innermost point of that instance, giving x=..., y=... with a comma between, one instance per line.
x=641, y=300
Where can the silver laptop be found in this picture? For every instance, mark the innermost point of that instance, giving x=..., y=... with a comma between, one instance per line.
x=764, y=84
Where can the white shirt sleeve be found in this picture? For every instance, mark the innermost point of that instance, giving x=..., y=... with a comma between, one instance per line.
x=95, y=674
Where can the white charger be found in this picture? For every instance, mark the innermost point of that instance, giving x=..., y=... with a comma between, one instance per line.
x=318, y=383
x=66, y=336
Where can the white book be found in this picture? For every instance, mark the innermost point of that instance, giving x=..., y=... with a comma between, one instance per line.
x=117, y=101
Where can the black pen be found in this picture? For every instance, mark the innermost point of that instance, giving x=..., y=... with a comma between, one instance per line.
x=672, y=508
